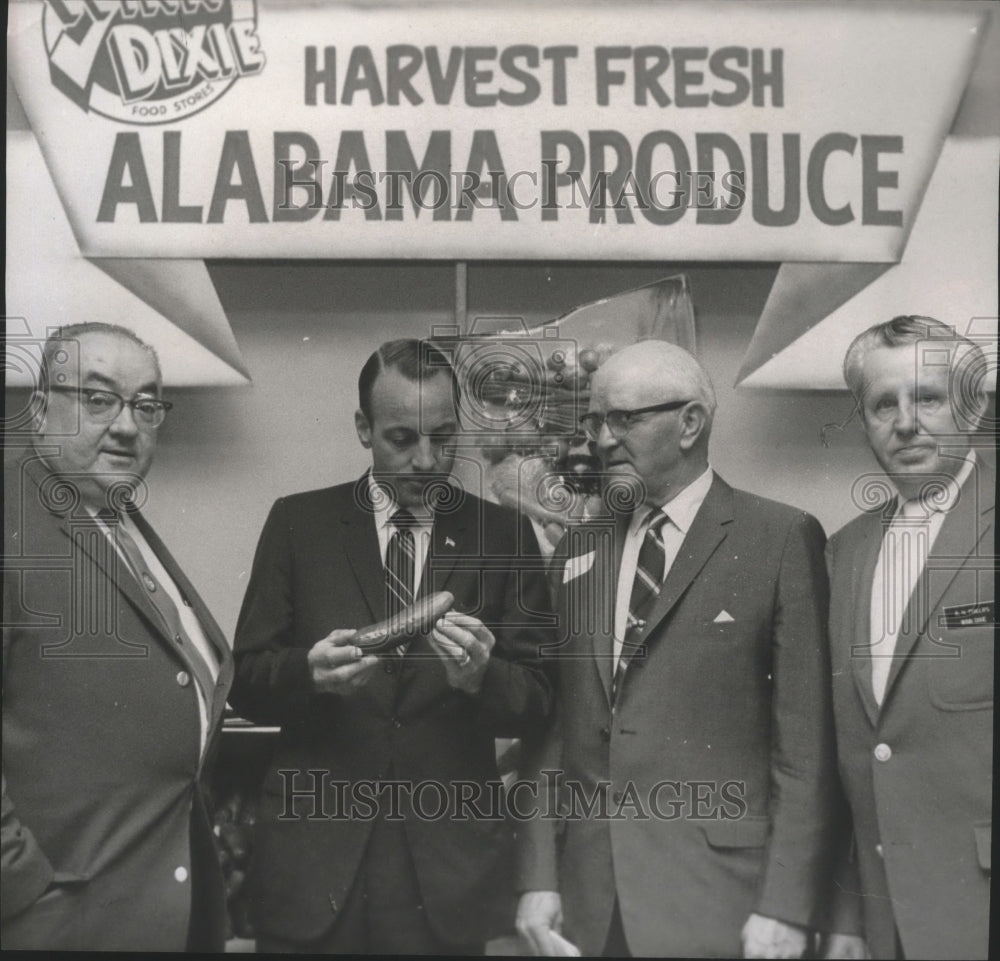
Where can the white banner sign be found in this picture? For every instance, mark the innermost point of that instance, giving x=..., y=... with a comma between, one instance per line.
x=680, y=131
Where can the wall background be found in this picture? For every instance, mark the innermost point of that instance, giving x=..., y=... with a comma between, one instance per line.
x=305, y=329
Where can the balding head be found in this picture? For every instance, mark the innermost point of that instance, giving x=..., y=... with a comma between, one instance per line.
x=655, y=370
x=665, y=449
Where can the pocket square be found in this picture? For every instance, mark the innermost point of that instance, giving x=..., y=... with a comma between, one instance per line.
x=576, y=566
x=724, y=617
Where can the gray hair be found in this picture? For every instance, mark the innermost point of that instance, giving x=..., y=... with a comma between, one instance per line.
x=902, y=331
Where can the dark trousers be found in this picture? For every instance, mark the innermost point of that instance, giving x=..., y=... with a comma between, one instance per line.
x=384, y=911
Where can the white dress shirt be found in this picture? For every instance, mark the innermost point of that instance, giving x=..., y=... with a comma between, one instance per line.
x=423, y=524
x=899, y=572
x=681, y=510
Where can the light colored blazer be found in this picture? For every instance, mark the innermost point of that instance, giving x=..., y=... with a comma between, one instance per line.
x=921, y=814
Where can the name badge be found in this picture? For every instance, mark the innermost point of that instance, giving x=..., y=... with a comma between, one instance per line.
x=969, y=615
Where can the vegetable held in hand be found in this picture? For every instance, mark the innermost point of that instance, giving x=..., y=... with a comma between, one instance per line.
x=417, y=618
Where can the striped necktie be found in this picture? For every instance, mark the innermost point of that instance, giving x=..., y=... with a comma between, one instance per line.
x=400, y=564
x=645, y=589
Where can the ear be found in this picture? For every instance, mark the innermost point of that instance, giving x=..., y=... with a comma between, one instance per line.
x=38, y=404
x=977, y=406
x=694, y=422
x=364, y=429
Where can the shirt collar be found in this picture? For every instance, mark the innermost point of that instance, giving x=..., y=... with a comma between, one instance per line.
x=683, y=506
x=943, y=499
x=384, y=506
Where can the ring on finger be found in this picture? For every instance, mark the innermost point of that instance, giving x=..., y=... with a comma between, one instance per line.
x=465, y=659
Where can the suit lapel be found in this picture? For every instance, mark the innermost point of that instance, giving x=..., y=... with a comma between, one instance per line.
x=449, y=539
x=860, y=600
x=707, y=532
x=363, y=554
x=608, y=559
x=94, y=542
x=87, y=536
x=211, y=629
x=452, y=536
x=963, y=529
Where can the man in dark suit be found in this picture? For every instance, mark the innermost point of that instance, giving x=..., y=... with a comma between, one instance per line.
x=912, y=624
x=115, y=675
x=403, y=869
x=692, y=749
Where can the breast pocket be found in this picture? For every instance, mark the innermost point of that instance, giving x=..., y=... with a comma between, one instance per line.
x=723, y=625
x=960, y=669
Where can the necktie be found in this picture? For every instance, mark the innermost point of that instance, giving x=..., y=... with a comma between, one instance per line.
x=646, y=586
x=165, y=607
x=400, y=566
x=896, y=595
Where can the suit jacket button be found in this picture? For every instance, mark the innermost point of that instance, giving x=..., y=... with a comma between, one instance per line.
x=397, y=723
x=882, y=752
x=605, y=734
x=878, y=850
x=180, y=874
x=183, y=678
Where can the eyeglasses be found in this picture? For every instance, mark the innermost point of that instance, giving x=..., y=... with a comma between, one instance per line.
x=104, y=406
x=620, y=421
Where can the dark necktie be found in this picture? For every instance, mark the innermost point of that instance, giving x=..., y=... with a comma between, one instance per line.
x=645, y=589
x=165, y=607
x=400, y=565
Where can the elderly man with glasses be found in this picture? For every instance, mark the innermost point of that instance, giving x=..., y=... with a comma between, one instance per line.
x=115, y=675
x=691, y=756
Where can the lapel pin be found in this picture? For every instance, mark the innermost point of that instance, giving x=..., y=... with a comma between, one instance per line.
x=448, y=542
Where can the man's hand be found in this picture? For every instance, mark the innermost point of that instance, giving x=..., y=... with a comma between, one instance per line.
x=768, y=938
x=850, y=947
x=539, y=912
x=464, y=643
x=338, y=666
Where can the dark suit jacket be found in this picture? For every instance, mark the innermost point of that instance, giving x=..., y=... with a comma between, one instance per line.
x=717, y=760
x=318, y=568
x=101, y=743
x=922, y=816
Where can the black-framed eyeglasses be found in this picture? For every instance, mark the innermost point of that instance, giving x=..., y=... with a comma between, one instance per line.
x=619, y=422
x=105, y=405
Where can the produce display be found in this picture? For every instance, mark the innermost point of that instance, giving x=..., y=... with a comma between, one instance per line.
x=415, y=619
x=525, y=389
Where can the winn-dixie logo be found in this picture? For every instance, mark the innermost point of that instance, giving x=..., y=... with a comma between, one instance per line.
x=150, y=61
